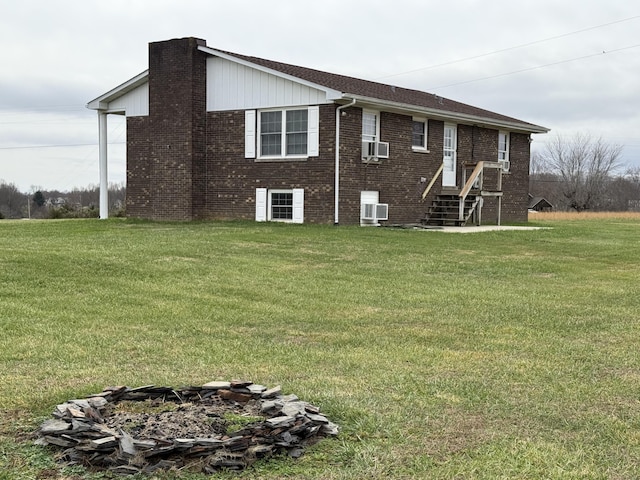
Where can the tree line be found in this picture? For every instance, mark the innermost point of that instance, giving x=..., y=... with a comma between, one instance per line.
x=579, y=173
x=41, y=203
x=584, y=173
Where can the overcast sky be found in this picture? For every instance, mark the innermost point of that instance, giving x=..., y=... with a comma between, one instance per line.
x=569, y=65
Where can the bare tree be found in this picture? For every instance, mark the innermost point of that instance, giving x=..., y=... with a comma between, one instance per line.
x=584, y=166
x=624, y=191
x=12, y=202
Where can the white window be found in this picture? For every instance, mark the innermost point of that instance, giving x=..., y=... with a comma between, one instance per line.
x=419, y=134
x=503, y=150
x=370, y=126
x=280, y=205
x=372, y=147
x=283, y=133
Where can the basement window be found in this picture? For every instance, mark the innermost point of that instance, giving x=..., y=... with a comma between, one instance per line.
x=280, y=205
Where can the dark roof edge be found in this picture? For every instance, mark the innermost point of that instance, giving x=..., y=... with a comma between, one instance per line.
x=437, y=114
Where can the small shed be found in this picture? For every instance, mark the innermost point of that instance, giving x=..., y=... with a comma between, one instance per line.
x=539, y=204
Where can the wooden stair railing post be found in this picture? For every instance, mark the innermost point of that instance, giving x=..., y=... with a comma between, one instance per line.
x=433, y=181
x=467, y=188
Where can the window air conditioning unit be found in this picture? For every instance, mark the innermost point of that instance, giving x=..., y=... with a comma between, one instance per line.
x=375, y=150
x=382, y=149
x=375, y=211
x=506, y=165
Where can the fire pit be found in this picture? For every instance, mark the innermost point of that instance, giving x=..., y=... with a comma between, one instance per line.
x=219, y=425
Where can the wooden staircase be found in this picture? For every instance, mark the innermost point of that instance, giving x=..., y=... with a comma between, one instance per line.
x=445, y=210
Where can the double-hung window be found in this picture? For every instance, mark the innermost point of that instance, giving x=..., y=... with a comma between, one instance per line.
x=282, y=133
x=372, y=147
x=369, y=127
x=419, y=134
x=503, y=150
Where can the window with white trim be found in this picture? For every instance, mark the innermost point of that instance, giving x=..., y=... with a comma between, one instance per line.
x=503, y=150
x=282, y=133
x=370, y=126
x=419, y=134
x=372, y=148
x=280, y=205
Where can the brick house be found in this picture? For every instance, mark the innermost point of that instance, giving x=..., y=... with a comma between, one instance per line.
x=218, y=135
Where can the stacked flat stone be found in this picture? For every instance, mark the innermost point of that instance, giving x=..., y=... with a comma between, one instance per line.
x=78, y=429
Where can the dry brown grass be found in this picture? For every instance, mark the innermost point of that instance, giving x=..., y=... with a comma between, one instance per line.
x=562, y=216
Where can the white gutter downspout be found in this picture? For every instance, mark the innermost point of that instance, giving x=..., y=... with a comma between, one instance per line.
x=336, y=187
x=102, y=154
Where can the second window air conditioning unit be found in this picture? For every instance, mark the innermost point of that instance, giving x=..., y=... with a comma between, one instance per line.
x=375, y=211
x=375, y=150
x=506, y=165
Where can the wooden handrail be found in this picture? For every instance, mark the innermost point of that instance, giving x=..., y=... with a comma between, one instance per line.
x=472, y=179
x=433, y=181
x=467, y=188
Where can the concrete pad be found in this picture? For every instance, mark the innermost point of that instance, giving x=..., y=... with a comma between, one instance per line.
x=479, y=229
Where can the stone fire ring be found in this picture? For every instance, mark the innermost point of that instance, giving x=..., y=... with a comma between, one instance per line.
x=220, y=425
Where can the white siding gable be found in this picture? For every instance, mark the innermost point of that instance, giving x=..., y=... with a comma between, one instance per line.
x=134, y=103
x=232, y=86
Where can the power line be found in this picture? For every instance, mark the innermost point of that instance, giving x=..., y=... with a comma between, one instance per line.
x=494, y=52
x=58, y=146
x=534, y=68
x=4, y=109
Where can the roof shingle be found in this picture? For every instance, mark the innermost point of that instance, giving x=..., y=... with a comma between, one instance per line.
x=380, y=91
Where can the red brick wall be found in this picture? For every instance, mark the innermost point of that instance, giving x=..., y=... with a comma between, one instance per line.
x=515, y=184
x=398, y=179
x=139, y=165
x=165, y=170
x=185, y=163
x=231, y=179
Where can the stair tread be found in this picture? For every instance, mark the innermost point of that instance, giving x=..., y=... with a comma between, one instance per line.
x=445, y=209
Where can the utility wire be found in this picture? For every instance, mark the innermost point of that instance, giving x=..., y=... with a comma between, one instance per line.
x=56, y=146
x=430, y=67
x=604, y=52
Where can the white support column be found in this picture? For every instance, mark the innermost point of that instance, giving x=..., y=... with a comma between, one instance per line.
x=104, y=186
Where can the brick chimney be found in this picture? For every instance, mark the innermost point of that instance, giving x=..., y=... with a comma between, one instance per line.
x=177, y=125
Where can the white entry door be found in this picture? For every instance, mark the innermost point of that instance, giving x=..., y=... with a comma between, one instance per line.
x=449, y=155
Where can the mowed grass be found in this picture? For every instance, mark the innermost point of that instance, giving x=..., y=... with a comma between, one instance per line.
x=478, y=356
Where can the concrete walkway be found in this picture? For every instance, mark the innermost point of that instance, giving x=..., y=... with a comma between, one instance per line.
x=479, y=229
x=468, y=229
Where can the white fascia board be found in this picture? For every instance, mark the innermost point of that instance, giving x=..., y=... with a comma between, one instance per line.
x=331, y=94
x=102, y=102
x=445, y=115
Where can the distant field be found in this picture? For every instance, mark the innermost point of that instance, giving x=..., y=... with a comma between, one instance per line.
x=508, y=354
x=559, y=216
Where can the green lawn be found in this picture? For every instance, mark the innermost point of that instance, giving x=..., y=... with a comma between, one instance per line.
x=476, y=356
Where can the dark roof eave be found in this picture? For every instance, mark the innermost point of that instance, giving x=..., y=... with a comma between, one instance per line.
x=437, y=114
